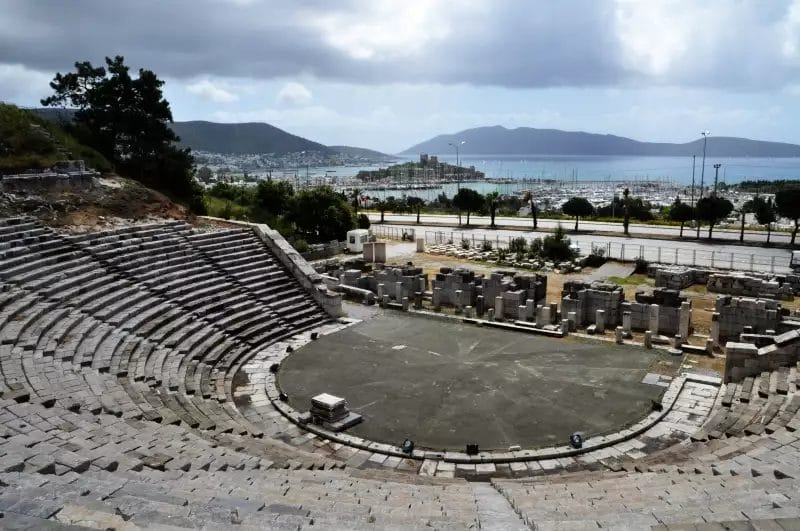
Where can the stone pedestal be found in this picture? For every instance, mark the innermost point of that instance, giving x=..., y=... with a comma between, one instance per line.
x=685, y=320
x=539, y=316
x=498, y=308
x=546, y=320
x=715, y=328
x=405, y=304
x=398, y=291
x=381, y=289
x=522, y=312
x=490, y=314
x=618, y=333
x=648, y=339
x=420, y=245
x=468, y=311
x=437, y=298
x=479, y=305
x=553, y=313
x=600, y=321
x=530, y=309
x=710, y=347
x=565, y=327
x=572, y=317
x=458, y=300
x=418, y=300
x=385, y=300
x=654, y=311
x=626, y=323
x=677, y=341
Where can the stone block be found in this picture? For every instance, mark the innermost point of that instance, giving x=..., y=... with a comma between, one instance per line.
x=600, y=321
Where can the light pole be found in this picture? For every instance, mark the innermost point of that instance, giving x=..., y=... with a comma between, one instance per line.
x=716, y=177
x=703, y=170
x=693, y=210
x=457, y=145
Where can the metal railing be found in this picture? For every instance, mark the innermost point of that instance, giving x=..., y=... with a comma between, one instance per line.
x=628, y=252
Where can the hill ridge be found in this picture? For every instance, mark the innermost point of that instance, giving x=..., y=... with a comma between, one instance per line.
x=500, y=140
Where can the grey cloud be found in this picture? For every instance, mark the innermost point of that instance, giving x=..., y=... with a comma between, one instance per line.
x=517, y=44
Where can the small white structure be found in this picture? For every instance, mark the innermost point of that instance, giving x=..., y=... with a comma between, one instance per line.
x=356, y=239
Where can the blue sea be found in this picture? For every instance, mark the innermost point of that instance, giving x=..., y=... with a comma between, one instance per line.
x=583, y=168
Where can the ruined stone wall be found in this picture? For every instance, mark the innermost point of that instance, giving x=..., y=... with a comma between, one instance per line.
x=746, y=359
x=732, y=314
x=764, y=286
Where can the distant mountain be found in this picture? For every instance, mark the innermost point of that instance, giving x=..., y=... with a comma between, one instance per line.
x=362, y=153
x=498, y=140
x=242, y=138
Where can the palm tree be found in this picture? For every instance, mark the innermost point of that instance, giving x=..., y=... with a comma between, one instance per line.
x=528, y=198
x=355, y=196
x=492, y=202
x=627, y=219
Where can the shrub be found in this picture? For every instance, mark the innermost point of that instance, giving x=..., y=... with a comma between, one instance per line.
x=535, y=249
x=363, y=221
x=557, y=246
x=465, y=243
x=597, y=257
x=502, y=254
x=641, y=265
x=487, y=246
x=518, y=245
x=227, y=210
x=301, y=246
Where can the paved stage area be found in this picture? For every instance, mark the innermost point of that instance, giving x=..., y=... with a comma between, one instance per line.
x=448, y=384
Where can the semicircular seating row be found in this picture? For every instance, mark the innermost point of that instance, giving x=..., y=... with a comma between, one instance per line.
x=118, y=352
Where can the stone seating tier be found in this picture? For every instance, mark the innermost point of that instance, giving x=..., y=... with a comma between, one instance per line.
x=118, y=355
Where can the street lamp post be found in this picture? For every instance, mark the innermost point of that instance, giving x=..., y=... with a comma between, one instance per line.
x=716, y=177
x=703, y=170
x=458, y=166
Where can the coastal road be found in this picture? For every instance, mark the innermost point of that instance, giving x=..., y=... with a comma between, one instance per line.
x=683, y=252
x=635, y=229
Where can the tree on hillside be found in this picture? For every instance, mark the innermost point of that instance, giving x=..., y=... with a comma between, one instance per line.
x=578, y=207
x=415, y=204
x=469, y=200
x=321, y=214
x=528, y=198
x=273, y=198
x=204, y=174
x=127, y=120
x=765, y=213
x=680, y=212
x=492, y=202
x=787, y=204
x=712, y=210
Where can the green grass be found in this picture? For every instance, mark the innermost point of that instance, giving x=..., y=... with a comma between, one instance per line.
x=633, y=280
x=222, y=208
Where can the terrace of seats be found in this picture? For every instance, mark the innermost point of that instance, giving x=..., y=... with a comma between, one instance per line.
x=118, y=408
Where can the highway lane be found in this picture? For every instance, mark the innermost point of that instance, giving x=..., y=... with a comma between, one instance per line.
x=635, y=229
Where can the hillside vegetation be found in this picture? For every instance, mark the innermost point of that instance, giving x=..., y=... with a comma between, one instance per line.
x=28, y=141
x=241, y=138
x=499, y=140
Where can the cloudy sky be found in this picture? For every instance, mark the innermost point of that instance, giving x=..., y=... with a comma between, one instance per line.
x=386, y=74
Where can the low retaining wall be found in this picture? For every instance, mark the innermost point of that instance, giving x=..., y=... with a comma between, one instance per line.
x=292, y=260
x=746, y=359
